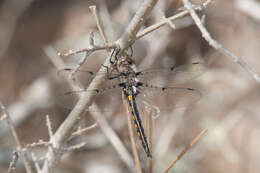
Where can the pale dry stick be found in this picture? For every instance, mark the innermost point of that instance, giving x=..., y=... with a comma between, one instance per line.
x=48, y=123
x=166, y=21
x=131, y=133
x=37, y=144
x=193, y=142
x=100, y=28
x=87, y=98
x=19, y=147
x=13, y=162
x=80, y=131
x=213, y=43
x=114, y=139
x=36, y=164
x=75, y=147
x=91, y=49
x=84, y=59
x=148, y=127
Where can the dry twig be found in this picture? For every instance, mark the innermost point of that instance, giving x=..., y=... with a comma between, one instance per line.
x=35, y=161
x=194, y=141
x=19, y=147
x=13, y=162
x=148, y=127
x=84, y=130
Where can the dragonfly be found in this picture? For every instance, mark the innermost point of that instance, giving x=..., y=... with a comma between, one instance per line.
x=163, y=89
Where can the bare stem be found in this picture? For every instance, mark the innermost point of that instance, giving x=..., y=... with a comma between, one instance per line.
x=16, y=138
x=91, y=49
x=148, y=127
x=194, y=141
x=100, y=28
x=13, y=162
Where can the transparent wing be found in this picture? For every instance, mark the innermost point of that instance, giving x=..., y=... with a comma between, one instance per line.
x=105, y=101
x=168, y=98
x=83, y=76
x=174, y=75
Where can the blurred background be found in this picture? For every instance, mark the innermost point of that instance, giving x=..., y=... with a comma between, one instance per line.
x=33, y=31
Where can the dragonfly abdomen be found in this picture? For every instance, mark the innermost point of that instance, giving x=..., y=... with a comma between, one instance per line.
x=138, y=124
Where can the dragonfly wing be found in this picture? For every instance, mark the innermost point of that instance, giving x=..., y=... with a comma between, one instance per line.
x=168, y=98
x=84, y=77
x=105, y=100
x=174, y=75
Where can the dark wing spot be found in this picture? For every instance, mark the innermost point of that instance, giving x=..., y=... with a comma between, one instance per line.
x=191, y=89
x=97, y=91
x=172, y=68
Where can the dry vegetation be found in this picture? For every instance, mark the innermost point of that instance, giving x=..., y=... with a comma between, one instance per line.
x=55, y=139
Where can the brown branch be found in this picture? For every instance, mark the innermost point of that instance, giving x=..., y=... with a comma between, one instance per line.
x=148, y=128
x=193, y=142
x=19, y=147
x=213, y=43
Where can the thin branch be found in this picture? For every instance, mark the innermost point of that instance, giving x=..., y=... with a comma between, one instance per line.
x=166, y=20
x=148, y=128
x=13, y=162
x=16, y=139
x=193, y=142
x=75, y=147
x=37, y=144
x=129, y=36
x=206, y=35
x=84, y=130
x=114, y=139
x=100, y=28
x=89, y=49
x=35, y=161
x=48, y=123
x=131, y=134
